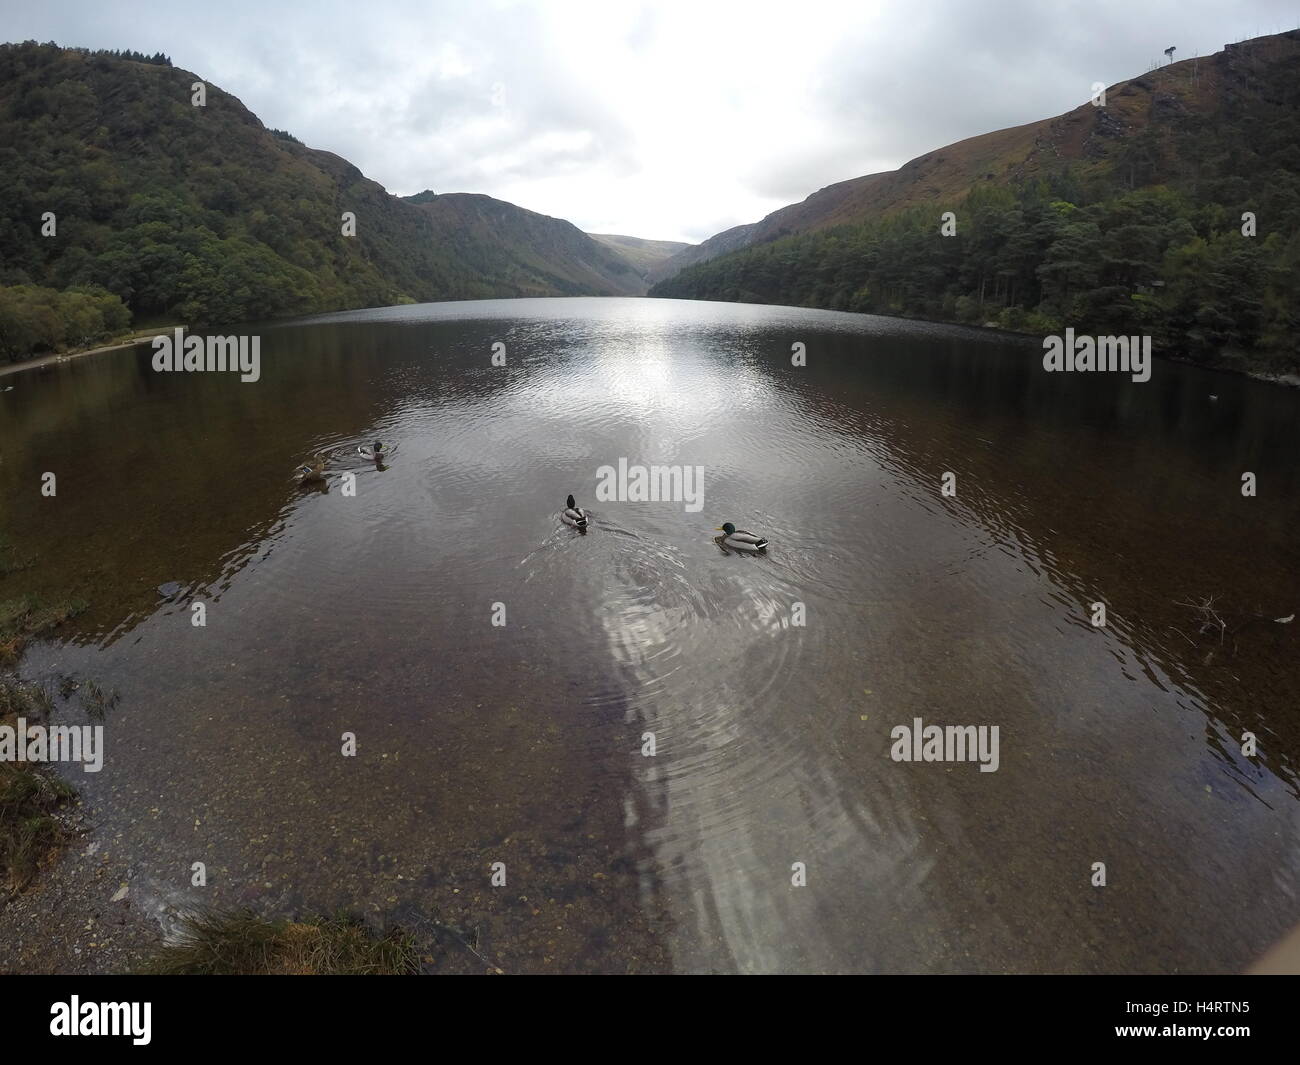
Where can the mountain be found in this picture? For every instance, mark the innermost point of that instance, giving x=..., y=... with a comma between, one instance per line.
x=1126, y=217
x=718, y=244
x=644, y=256
x=944, y=173
x=526, y=253
x=1089, y=139
x=203, y=214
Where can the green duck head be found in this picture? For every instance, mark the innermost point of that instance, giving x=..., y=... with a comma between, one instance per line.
x=727, y=528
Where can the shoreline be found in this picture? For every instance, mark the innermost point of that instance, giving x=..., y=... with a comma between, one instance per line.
x=1285, y=380
x=55, y=357
x=67, y=356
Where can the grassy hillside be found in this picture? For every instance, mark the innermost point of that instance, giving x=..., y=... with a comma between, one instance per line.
x=202, y=214
x=1126, y=217
x=641, y=254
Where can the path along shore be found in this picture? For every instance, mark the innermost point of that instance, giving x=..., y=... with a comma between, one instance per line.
x=65, y=356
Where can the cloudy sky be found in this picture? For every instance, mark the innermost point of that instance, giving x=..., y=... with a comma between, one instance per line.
x=671, y=120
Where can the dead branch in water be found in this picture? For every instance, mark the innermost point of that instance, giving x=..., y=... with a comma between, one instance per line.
x=1212, y=622
x=458, y=934
x=1209, y=617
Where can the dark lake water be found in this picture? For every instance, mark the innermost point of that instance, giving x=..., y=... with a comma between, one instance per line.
x=373, y=614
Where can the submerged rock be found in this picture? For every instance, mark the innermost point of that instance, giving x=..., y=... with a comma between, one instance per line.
x=170, y=590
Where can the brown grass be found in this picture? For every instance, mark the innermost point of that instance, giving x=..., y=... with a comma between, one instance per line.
x=30, y=795
x=26, y=616
x=241, y=944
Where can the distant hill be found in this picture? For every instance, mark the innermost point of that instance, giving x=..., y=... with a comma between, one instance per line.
x=644, y=256
x=528, y=253
x=718, y=244
x=1127, y=215
x=204, y=214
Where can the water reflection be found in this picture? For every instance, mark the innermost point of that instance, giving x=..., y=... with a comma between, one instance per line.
x=372, y=613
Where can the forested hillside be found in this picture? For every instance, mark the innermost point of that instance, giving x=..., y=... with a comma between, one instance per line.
x=1123, y=218
x=203, y=215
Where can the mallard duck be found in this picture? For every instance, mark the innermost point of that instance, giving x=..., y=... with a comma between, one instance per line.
x=573, y=514
x=739, y=540
x=375, y=453
x=310, y=474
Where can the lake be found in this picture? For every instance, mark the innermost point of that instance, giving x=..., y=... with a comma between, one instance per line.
x=770, y=829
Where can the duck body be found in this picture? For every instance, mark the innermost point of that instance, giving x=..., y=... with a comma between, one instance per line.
x=573, y=514
x=310, y=474
x=740, y=540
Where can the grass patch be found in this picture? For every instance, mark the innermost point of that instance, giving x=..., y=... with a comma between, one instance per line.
x=29, y=831
x=27, y=616
x=96, y=702
x=241, y=944
x=11, y=560
x=32, y=701
x=30, y=795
